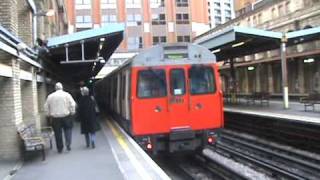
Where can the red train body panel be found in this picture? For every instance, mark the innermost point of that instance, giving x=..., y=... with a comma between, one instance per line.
x=168, y=97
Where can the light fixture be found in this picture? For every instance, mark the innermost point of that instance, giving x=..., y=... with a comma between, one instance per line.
x=216, y=51
x=310, y=60
x=250, y=68
x=102, y=61
x=48, y=13
x=238, y=44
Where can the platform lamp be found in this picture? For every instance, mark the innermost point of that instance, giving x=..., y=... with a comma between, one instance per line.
x=48, y=13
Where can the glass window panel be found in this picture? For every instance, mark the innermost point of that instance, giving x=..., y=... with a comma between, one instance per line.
x=201, y=80
x=86, y=1
x=87, y=19
x=79, y=19
x=151, y=83
x=177, y=82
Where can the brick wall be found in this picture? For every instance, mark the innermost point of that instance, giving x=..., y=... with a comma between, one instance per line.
x=10, y=110
x=8, y=15
x=30, y=101
x=25, y=22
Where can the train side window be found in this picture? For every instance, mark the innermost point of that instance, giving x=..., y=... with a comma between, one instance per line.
x=151, y=83
x=177, y=82
x=202, y=80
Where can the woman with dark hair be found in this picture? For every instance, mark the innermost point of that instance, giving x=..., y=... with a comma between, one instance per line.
x=88, y=117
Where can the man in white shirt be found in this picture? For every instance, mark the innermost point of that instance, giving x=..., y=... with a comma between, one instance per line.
x=59, y=107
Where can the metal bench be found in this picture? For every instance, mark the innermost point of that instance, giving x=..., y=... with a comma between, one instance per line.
x=311, y=100
x=35, y=141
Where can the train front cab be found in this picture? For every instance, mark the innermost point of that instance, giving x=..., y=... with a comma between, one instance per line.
x=176, y=108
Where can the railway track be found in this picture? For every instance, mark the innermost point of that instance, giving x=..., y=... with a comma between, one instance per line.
x=197, y=167
x=302, y=135
x=276, y=160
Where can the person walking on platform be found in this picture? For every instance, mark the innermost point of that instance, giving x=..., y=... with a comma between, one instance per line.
x=88, y=117
x=60, y=106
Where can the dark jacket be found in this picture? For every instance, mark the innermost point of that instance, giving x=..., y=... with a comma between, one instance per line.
x=87, y=115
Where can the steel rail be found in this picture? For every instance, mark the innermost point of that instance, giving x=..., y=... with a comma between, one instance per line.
x=264, y=164
x=219, y=168
x=304, y=162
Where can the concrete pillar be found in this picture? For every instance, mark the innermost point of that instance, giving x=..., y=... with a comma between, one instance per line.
x=30, y=101
x=42, y=95
x=11, y=114
x=301, y=76
x=246, y=81
x=258, y=84
x=270, y=79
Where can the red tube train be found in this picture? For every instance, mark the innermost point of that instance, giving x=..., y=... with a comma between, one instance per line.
x=167, y=97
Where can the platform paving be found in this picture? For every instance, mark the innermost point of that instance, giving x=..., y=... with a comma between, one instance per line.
x=80, y=163
x=275, y=108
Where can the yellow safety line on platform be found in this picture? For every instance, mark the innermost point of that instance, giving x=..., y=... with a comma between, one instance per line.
x=142, y=172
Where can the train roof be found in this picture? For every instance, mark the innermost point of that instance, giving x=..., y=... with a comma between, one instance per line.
x=173, y=54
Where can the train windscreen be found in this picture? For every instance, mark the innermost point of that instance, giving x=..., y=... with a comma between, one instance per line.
x=151, y=83
x=202, y=80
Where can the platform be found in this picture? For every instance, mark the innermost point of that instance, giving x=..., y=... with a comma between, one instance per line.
x=276, y=110
x=116, y=156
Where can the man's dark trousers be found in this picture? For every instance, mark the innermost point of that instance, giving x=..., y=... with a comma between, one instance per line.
x=58, y=124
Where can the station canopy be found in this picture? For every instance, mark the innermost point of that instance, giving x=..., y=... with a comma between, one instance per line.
x=82, y=55
x=240, y=41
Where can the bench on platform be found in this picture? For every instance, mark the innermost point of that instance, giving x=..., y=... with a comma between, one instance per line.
x=262, y=97
x=311, y=100
x=35, y=141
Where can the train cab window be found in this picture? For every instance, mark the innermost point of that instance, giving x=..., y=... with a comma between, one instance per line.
x=177, y=82
x=151, y=83
x=201, y=80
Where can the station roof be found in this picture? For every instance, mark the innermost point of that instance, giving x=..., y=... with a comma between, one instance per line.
x=98, y=46
x=240, y=41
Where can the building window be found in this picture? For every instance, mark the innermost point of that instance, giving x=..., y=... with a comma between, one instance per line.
x=227, y=5
x=108, y=1
x=182, y=18
x=273, y=13
x=133, y=20
x=133, y=3
x=287, y=7
x=158, y=19
x=217, y=12
x=159, y=39
x=228, y=13
x=259, y=18
x=217, y=4
x=107, y=19
x=280, y=10
x=156, y=3
x=134, y=43
x=83, y=19
x=254, y=20
x=182, y=3
x=80, y=2
x=183, y=38
x=217, y=19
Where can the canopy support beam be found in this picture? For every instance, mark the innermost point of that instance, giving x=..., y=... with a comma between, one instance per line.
x=284, y=71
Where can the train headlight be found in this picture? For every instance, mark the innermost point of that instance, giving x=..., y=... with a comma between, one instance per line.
x=149, y=146
x=211, y=140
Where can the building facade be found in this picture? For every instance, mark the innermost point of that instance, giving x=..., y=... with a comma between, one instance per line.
x=147, y=22
x=262, y=71
x=23, y=79
x=220, y=11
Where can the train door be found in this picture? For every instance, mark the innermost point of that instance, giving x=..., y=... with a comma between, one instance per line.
x=205, y=100
x=178, y=99
x=149, y=102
